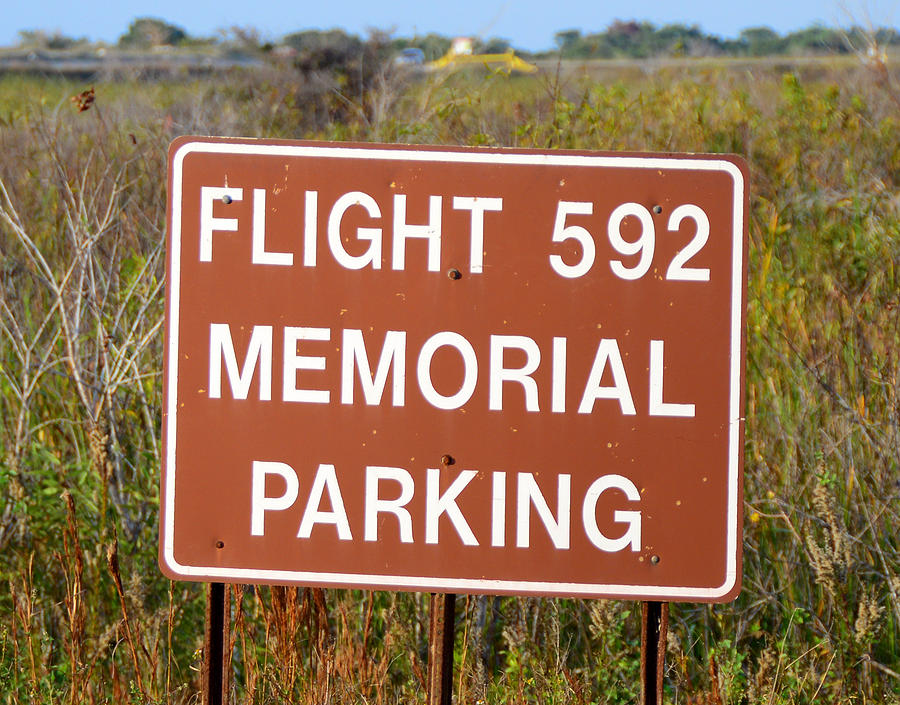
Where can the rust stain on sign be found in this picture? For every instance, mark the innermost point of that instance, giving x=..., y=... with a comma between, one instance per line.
x=452, y=369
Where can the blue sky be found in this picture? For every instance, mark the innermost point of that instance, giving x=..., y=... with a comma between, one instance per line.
x=529, y=24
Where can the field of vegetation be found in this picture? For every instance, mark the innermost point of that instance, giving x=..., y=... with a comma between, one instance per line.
x=86, y=616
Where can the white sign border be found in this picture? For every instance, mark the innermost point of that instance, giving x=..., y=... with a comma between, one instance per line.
x=247, y=575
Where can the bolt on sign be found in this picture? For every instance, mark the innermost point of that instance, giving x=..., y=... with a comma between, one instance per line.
x=451, y=369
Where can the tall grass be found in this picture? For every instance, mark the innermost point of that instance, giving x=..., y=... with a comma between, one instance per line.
x=87, y=618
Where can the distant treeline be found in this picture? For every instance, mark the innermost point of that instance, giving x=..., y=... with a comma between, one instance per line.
x=622, y=39
x=645, y=40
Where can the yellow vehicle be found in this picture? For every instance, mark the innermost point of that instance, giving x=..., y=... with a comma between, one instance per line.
x=461, y=54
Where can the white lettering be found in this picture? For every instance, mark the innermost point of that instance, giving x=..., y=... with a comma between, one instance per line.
x=260, y=503
x=310, y=228
x=658, y=407
x=477, y=206
x=431, y=231
x=437, y=504
x=563, y=232
x=293, y=363
x=373, y=235
x=375, y=505
x=529, y=493
x=644, y=245
x=607, y=378
x=325, y=505
x=208, y=196
x=423, y=370
x=259, y=253
x=589, y=514
x=325, y=480
x=393, y=351
x=500, y=374
x=558, y=399
x=259, y=351
x=607, y=351
x=498, y=510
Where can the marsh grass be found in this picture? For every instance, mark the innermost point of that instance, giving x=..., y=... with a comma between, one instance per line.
x=87, y=617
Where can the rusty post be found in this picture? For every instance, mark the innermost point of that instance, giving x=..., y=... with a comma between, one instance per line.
x=214, y=674
x=654, y=629
x=440, y=649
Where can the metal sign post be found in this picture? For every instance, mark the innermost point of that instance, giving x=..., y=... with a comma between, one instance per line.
x=440, y=649
x=214, y=671
x=654, y=633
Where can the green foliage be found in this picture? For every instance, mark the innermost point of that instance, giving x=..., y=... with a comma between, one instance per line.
x=39, y=39
x=146, y=32
x=492, y=45
x=762, y=41
x=639, y=40
x=324, y=49
x=432, y=45
x=643, y=39
x=87, y=617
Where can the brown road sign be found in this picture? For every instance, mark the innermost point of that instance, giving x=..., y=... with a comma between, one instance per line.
x=450, y=369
